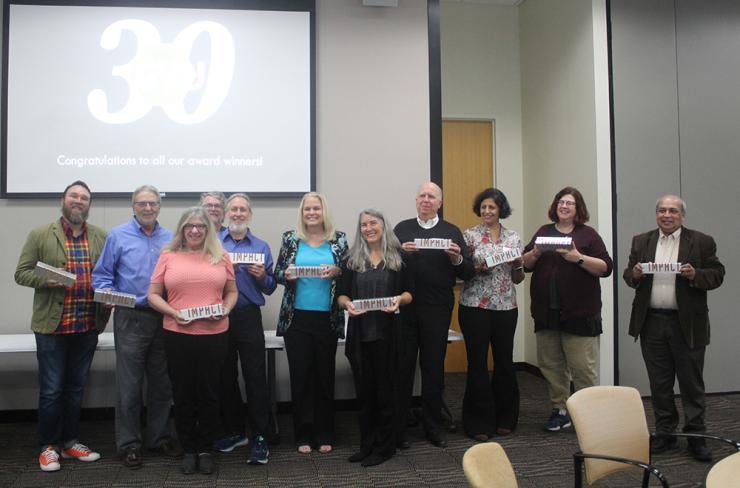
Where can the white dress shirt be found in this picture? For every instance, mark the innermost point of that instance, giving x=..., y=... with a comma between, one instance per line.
x=663, y=294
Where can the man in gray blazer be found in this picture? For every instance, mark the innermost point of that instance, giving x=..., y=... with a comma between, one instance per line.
x=670, y=316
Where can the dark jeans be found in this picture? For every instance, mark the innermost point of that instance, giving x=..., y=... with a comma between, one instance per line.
x=667, y=357
x=141, y=360
x=424, y=330
x=246, y=346
x=311, y=347
x=493, y=403
x=64, y=363
x=195, y=363
x=376, y=416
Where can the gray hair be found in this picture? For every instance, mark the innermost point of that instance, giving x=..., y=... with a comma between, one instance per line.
x=359, y=253
x=675, y=197
x=215, y=194
x=239, y=195
x=143, y=188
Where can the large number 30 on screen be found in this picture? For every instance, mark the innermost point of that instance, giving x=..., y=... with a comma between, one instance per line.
x=161, y=74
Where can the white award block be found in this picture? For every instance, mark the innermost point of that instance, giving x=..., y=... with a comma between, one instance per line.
x=433, y=243
x=247, y=257
x=308, y=271
x=49, y=272
x=661, y=268
x=553, y=243
x=115, y=298
x=202, y=312
x=371, y=304
x=503, y=255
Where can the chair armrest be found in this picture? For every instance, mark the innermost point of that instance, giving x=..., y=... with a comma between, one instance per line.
x=648, y=468
x=696, y=435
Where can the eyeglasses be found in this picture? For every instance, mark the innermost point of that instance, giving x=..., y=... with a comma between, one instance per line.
x=201, y=227
x=212, y=206
x=146, y=204
x=566, y=203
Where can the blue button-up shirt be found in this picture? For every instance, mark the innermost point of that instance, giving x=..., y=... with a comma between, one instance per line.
x=250, y=289
x=128, y=259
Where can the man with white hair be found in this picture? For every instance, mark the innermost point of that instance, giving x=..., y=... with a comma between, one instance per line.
x=426, y=324
x=129, y=256
x=215, y=204
x=246, y=335
x=671, y=319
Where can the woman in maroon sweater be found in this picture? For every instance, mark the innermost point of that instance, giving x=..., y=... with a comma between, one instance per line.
x=566, y=301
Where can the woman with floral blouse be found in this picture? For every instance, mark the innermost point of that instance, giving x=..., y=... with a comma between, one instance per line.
x=488, y=315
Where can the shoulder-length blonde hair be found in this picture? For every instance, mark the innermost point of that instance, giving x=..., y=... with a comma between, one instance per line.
x=212, y=247
x=300, y=228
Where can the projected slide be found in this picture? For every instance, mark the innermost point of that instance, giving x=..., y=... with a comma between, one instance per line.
x=189, y=100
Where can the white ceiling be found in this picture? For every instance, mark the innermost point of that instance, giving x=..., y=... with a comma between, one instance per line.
x=507, y=3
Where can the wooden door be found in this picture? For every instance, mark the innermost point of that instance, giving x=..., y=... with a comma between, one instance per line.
x=467, y=168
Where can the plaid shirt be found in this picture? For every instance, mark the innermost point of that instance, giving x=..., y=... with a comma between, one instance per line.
x=78, y=311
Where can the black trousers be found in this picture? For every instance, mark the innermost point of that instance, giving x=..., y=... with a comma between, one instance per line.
x=246, y=345
x=424, y=331
x=493, y=403
x=375, y=394
x=311, y=347
x=194, y=363
x=667, y=357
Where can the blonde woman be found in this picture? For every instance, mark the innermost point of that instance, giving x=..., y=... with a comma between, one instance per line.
x=311, y=321
x=193, y=270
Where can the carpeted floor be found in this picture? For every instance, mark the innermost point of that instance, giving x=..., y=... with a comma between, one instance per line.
x=540, y=459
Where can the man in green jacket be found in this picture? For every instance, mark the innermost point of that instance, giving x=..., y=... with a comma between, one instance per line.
x=66, y=322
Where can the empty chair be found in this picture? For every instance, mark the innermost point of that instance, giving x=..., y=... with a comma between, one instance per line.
x=487, y=465
x=613, y=434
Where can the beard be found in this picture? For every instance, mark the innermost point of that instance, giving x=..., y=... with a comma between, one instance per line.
x=75, y=218
x=238, y=227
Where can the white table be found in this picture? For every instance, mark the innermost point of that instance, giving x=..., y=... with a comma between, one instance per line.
x=27, y=343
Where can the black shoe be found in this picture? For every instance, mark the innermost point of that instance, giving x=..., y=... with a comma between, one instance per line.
x=374, y=460
x=663, y=444
x=403, y=444
x=205, y=463
x=189, y=463
x=131, y=458
x=700, y=452
x=358, y=456
x=437, y=439
x=169, y=448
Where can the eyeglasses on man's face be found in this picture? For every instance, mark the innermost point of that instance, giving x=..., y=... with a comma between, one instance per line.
x=146, y=204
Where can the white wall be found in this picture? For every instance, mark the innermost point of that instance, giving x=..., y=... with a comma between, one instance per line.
x=565, y=125
x=481, y=81
x=372, y=150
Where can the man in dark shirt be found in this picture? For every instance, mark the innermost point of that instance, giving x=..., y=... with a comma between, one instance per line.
x=425, y=326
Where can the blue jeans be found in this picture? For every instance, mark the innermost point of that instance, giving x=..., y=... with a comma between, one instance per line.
x=64, y=363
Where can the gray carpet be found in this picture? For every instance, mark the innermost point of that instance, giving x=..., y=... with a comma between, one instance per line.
x=540, y=459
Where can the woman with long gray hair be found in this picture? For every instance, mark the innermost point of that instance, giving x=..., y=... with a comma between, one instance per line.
x=373, y=288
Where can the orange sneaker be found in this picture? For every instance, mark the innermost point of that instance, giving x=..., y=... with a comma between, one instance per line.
x=80, y=452
x=49, y=459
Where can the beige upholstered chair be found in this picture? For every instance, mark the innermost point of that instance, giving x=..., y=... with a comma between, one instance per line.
x=487, y=465
x=613, y=434
x=725, y=473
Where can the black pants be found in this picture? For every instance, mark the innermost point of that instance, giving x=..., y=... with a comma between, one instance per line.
x=424, y=330
x=495, y=403
x=194, y=363
x=311, y=347
x=375, y=394
x=246, y=345
x=667, y=357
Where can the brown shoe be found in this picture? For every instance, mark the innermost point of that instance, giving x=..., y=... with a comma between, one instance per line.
x=169, y=448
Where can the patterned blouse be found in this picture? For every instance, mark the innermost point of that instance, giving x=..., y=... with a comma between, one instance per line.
x=492, y=288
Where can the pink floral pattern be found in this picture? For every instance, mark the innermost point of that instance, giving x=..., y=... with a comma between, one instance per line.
x=492, y=288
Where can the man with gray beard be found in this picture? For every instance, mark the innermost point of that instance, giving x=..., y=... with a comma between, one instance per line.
x=65, y=321
x=246, y=335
